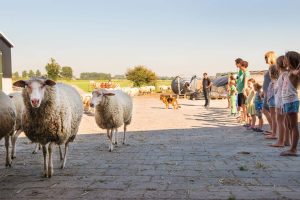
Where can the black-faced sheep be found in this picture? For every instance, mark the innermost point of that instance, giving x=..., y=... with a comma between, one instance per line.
x=52, y=115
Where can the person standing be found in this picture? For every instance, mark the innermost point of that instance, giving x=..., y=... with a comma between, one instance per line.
x=242, y=85
x=270, y=58
x=206, y=85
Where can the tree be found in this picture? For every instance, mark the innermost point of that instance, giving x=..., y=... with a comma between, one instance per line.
x=140, y=75
x=53, y=69
x=24, y=74
x=16, y=75
x=31, y=73
x=67, y=72
x=38, y=73
x=94, y=76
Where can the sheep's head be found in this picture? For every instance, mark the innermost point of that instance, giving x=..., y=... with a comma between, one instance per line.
x=98, y=96
x=35, y=88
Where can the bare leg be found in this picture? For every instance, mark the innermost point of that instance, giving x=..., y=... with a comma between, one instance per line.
x=13, y=142
x=287, y=138
x=50, y=164
x=60, y=153
x=268, y=116
x=45, y=152
x=8, y=158
x=260, y=123
x=253, y=121
x=65, y=155
x=274, y=124
x=281, y=130
x=293, y=119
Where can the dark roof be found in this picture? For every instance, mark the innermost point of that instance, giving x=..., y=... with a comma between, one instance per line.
x=2, y=37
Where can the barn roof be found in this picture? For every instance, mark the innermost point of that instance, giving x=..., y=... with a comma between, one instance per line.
x=2, y=37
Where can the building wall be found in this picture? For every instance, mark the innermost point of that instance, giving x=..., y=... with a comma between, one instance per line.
x=6, y=59
x=6, y=67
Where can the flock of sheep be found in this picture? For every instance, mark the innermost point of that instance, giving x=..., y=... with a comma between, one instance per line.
x=49, y=114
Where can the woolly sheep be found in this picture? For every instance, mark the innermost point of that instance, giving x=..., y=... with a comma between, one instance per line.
x=17, y=99
x=52, y=115
x=112, y=110
x=7, y=122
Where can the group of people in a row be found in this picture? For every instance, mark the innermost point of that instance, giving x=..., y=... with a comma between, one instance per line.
x=277, y=99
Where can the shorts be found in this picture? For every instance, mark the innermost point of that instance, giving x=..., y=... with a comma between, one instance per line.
x=271, y=102
x=241, y=99
x=265, y=104
x=258, y=114
x=292, y=107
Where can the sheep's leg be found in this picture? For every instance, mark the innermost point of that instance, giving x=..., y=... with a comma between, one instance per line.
x=60, y=153
x=50, y=164
x=45, y=152
x=37, y=147
x=13, y=143
x=65, y=155
x=8, y=158
x=125, y=128
x=116, y=136
x=111, y=147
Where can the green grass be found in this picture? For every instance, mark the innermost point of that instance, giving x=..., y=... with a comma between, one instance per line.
x=84, y=84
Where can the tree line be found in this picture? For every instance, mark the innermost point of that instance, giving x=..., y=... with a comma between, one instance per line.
x=139, y=75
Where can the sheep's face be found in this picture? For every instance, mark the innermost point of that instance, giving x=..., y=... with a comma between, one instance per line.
x=35, y=89
x=98, y=96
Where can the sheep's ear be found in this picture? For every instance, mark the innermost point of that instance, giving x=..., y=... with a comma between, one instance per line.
x=108, y=94
x=49, y=82
x=20, y=83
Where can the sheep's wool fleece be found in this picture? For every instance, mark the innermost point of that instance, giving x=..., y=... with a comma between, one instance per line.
x=7, y=115
x=17, y=99
x=114, y=111
x=58, y=117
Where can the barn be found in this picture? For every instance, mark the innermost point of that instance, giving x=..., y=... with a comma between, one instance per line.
x=5, y=64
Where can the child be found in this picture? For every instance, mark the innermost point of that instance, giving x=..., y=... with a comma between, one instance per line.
x=273, y=72
x=258, y=103
x=290, y=98
x=232, y=95
x=283, y=132
x=250, y=104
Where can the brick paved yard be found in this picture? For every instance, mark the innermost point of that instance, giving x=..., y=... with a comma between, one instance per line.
x=187, y=153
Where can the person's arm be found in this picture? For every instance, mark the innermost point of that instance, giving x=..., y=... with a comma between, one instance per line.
x=210, y=84
x=245, y=84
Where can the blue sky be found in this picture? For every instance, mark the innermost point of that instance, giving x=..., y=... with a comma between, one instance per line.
x=171, y=37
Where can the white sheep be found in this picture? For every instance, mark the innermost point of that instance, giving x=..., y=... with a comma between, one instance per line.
x=17, y=99
x=7, y=122
x=52, y=115
x=112, y=110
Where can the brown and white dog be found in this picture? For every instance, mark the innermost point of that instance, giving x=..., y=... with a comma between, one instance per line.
x=167, y=100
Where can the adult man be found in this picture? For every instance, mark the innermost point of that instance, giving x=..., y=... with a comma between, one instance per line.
x=206, y=85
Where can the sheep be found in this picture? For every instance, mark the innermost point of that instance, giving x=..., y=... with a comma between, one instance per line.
x=17, y=99
x=112, y=110
x=52, y=115
x=7, y=122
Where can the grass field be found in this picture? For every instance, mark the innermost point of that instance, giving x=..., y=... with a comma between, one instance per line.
x=84, y=84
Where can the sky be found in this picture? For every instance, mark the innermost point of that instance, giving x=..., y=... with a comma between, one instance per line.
x=170, y=37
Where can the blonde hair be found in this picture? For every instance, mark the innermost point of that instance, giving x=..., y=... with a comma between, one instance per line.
x=270, y=57
x=273, y=72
